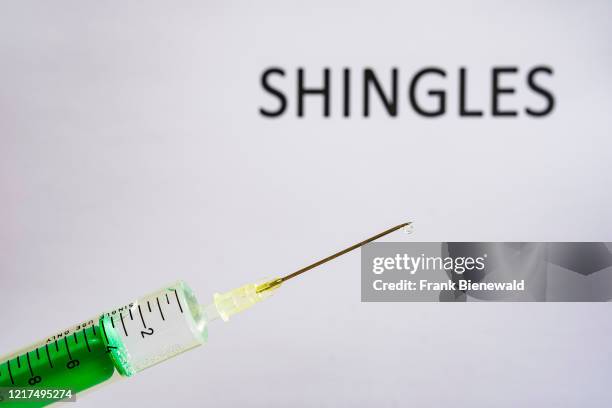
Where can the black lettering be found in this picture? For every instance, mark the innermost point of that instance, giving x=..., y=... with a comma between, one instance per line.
x=347, y=92
x=281, y=97
x=550, y=99
x=303, y=91
x=369, y=77
x=497, y=91
x=463, y=110
x=433, y=92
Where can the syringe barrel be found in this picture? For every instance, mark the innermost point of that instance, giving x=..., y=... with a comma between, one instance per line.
x=118, y=343
x=154, y=328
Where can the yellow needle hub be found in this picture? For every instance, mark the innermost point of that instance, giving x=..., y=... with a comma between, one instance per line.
x=242, y=298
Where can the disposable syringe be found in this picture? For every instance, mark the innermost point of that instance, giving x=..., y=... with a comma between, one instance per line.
x=128, y=339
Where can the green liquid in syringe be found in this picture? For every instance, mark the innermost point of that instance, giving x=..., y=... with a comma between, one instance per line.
x=76, y=362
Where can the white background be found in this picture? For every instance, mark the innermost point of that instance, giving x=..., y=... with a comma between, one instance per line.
x=132, y=154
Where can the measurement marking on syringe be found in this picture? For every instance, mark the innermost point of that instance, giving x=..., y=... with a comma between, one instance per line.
x=18, y=362
x=75, y=338
x=149, y=306
x=29, y=364
x=167, y=299
x=177, y=300
x=112, y=322
x=94, y=330
x=159, y=307
x=37, y=354
x=68, y=348
x=48, y=356
x=123, y=324
x=8, y=364
x=104, y=330
x=56, y=346
x=86, y=341
x=130, y=310
x=142, y=318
